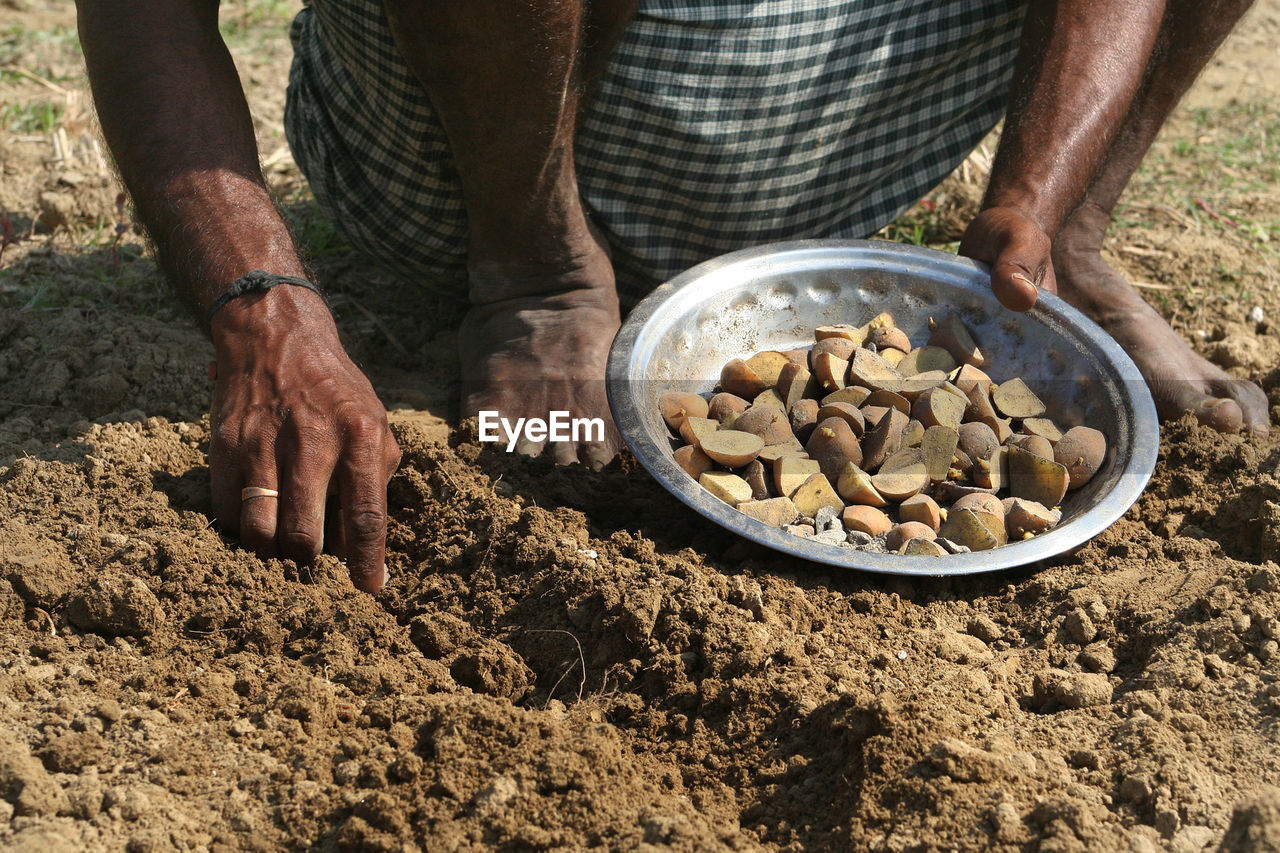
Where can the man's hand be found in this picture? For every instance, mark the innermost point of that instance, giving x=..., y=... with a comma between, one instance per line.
x=291, y=412
x=1018, y=251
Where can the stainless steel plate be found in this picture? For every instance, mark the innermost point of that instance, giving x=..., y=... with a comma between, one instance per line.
x=771, y=297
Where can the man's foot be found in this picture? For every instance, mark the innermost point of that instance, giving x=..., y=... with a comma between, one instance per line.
x=1180, y=380
x=538, y=343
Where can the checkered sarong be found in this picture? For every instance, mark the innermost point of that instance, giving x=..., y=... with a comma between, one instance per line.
x=719, y=124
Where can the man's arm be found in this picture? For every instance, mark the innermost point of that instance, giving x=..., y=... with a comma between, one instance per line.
x=291, y=411
x=1080, y=65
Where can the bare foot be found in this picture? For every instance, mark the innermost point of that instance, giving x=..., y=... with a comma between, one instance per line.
x=1180, y=380
x=537, y=343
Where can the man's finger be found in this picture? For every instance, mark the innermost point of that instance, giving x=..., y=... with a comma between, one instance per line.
x=258, y=512
x=1019, y=268
x=363, y=489
x=308, y=467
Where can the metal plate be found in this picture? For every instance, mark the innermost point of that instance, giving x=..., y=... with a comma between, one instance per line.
x=772, y=297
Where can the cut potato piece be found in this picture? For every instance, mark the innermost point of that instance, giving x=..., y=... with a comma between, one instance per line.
x=853, y=394
x=854, y=486
x=729, y=488
x=903, y=458
x=981, y=410
x=732, y=448
x=768, y=422
x=769, y=397
x=901, y=483
x=1024, y=516
x=794, y=384
x=775, y=512
x=977, y=440
x=923, y=548
x=830, y=371
x=790, y=472
x=938, y=445
x=693, y=429
x=974, y=529
x=857, y=334
x=815, y=493
x=889, y=400
x=1082, y=450
x=767, y=366
x=841, y=348
x=757, y=478
x=966, y=376
x=833, y=445
x=676, y=405
x=694, y=462
x=771, y=453
x=939, y=407
x=981, y=502
x=923, y=359
x=1014, y=399
x=1037, y=444
x=900, y=534
x=889, y=337
x=1035, y=478
x=912, y=433
x=866, y=519
x=992, y=473
x=953, y=336
x=847, y=412
x=737, y=378
x=803, y=417
x=883, y=440
x=914, y=386
x=870, y=370
x=923, y=509
x=893, y=356
x=1042, y=427
x=725, y=404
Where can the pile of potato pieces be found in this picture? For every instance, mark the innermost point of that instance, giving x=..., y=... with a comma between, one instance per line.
x=911, y=446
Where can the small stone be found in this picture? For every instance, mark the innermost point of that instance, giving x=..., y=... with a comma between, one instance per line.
x=775, y=512
x=831, y=537
x=1256, y=314
x=826, y=517
x=1098, y=658
x=952, y=547
x=799, y=530
x=985, y=629
x=1079, y=626
x=858, y=538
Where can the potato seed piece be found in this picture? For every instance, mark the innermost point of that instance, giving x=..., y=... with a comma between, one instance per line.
x=981, y=410
x=952, y=335
x=939, y=447
x=925, y=359
x=768, y=422
x=841, y=348
x=870, y=370
x=951, y=491
x=923, y=509
x=981, y=503
x=832, y=445
x=790, y=472
x=831, y=371
x=892, y=356
x=758, y=479
x=872, y=415
x=854, y=394
x=883, y=440
x=775, y=512
x=903, y=458
x=729, y=488
x=694, y=462
x=794, y=383
x=912, y=433
x=966, y=376
x=900, y=533
x=815, y=493
x=1082, y=450
x=771, y=453
x=883, y=320
x=976, y=530
x=854, y=486
x=1037, y=444
x=1014, y=399
x=737, y=378
x=889, y=337
x=1036, y=478
x=676, y=405
x=732, y=448
x=804, y=417
x=857, y=334
x=992, y=473
x=914, y=386
x=847, y=412
x=797, y=356
x=977, y=440
x=939, y=407
x=1044, y=428
x=1023, y=517
x=889, y=400
x=900, y=484
x=693, y=429
x=865, y=519
x=923, y=548
x=770, y=397
x=767, y=366
x=724, y=404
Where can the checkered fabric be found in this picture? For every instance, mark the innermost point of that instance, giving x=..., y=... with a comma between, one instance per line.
x=719, y=124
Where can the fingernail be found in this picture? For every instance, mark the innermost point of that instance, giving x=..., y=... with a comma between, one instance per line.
x=1022, y=278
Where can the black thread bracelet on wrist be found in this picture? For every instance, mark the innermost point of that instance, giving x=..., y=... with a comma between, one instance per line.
x=257, y=281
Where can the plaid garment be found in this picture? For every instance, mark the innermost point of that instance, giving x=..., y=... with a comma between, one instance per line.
x=719, y=124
